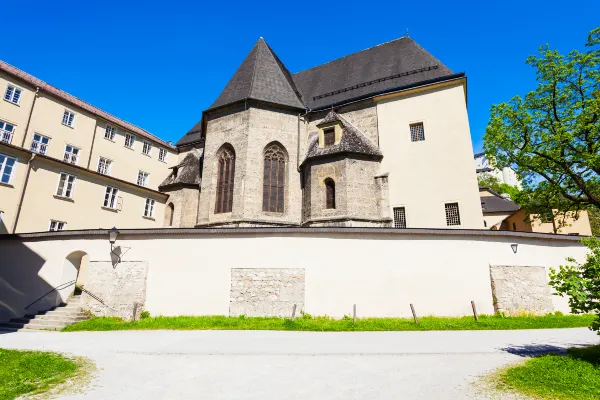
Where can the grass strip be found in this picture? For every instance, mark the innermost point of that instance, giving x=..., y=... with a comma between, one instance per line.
x=327, y=324
x=574, y=376
x=32, y=372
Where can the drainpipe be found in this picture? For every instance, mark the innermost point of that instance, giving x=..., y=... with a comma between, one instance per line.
x=14, y=230
x=37, y=93
x=298, y=139
x=92, y=148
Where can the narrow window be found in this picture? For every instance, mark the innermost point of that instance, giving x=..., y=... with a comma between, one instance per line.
x=171, y=213
x=65, y=185
x=329, y=193
x=417, y=133
x=146, y=148
x=142, y=178
x=514, y=226
x=104, y=166
x=110, y=132
x=71, y=154
x=129, y=141
x=68, y=118
x=162, y=155
x=399, y=217
x=56, y=226
x=149, y=208
x=13, y=94
x=484, y=223
x=6, y=132
x=329, y=137
x=452, y=214
x=225, y=180
x=110, y=197
x=7, y=168
x=274, y=179
x=39, y=144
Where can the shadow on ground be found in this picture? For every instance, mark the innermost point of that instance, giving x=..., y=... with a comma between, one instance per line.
x=535, y=350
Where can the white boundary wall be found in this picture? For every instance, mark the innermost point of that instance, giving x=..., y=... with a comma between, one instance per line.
x=382, y=271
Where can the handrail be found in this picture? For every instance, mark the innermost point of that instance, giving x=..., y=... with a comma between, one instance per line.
x=59, y=287
x=93, y=296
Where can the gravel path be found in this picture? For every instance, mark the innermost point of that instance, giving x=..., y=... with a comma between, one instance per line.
x=296, y=365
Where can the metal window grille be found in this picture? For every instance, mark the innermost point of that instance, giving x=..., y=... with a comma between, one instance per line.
x=39, y=144
x=274, y=179
x=13, y=94
x=71, y=154
x=417, y=133
x=225, y=177
x=68, y=118
x=329, y=137
x=452, y=214
x=399, y=217
x=129, y=140
x=56, y=226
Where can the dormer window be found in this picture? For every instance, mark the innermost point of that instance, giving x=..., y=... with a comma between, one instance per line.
x=328, y=137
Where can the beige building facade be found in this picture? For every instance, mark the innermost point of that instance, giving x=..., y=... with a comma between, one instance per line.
x=46, y=134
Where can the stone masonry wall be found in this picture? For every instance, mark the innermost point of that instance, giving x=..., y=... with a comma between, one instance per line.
x=266, y=291
x=521, y=289
x=118, y=287
x=185, y=202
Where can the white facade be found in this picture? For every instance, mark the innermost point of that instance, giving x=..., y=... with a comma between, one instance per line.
x=505, y=175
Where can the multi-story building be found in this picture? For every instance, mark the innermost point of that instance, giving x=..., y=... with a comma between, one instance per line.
x=65, y=164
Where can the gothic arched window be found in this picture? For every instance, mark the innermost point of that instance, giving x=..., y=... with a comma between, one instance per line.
x=329, y=193
x=274, y=179
x=225, y=178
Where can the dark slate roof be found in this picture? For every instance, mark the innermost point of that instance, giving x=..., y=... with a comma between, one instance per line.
x=394, y=64
x=187, y=172
x=496, y=203
x=262, y=76
x=194, y=135
x=353, y=141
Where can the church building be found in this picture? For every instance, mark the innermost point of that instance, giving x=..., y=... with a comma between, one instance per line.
x=378, y=138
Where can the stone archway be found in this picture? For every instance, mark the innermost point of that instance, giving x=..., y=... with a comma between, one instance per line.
x=74, y=270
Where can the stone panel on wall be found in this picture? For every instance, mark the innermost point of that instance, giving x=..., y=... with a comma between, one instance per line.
x=118, y=287
x=266, y=291
x=520, y=289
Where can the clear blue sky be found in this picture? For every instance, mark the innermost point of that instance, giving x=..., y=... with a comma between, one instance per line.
x=159, y=65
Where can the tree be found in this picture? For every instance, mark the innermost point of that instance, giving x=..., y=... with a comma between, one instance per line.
x=581, y=282
x=552, y=136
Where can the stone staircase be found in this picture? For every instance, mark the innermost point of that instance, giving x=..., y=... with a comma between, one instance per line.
x=52, y=320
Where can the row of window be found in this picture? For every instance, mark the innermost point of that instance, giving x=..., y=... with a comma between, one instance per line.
x=105, y=168
x=110, y=132
x=451, y=209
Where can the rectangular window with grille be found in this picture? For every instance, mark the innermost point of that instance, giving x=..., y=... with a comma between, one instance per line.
x=417, y=133
x=7, y=168
x=71, y=154
x=143, y=178
x=6, y=132
x=12, y=94
x=129, y=141
x=110, y=132
x=110, y=197
x=452, y=214
x=39, y=144
x=104, y=166
x=146, y=148
x=56, y=226
x=68, y=118
x=399, y=217
x=149, y=208
x=65, y=185
x=162, y=155
x=329, y=137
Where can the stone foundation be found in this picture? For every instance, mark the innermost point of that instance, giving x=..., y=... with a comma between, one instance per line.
x=521, y=289
x=118, y=288
x=266, y=292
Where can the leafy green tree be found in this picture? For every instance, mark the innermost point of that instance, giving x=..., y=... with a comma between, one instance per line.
x=581, y=282
x=553, y=134
x=491, y=182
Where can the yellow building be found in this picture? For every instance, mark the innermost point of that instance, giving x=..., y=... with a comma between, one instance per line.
x=65, y=164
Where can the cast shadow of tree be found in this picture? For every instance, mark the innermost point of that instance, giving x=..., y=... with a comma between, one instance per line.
x=537, y=350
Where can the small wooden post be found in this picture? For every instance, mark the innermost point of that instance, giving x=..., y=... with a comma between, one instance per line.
x=354, y=312
x=474, y=311
x=294, y=312
x=414, y=314
x=135, y=307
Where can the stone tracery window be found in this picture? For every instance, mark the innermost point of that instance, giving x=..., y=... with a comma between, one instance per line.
x=329, y=193
x=274, y=179
x=225, y=180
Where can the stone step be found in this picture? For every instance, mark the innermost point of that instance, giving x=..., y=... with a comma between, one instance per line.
x=60, y=318
x=3, y=329
x=37, y=324
x=60, y=312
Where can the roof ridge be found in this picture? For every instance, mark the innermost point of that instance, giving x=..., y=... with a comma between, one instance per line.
x=6, y=67
x=286, y=73
x=351, y=54
x=258, y=47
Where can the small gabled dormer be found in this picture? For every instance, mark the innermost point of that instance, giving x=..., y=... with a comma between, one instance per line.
x=330, y=131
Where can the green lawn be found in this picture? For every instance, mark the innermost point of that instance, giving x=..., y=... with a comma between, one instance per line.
x=308, y=323
x=32, y=372
x=574, y=376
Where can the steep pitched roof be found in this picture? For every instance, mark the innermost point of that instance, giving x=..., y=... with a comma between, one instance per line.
x=187, y=172
x=353, y=141
x=194, y=135
x=390, y=65
x=261, y=76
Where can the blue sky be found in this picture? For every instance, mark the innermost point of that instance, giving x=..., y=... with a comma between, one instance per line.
x=159, y=65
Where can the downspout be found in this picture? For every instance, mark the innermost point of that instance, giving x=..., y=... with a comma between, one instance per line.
x=92, y=148
x=37, y=91
x=298, y=139
x=14, y=230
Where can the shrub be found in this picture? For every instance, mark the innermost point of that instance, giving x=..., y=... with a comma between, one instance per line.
x=145, y=314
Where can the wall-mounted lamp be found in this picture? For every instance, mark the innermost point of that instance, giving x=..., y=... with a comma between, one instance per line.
x=514, y=247
x=112, y=238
